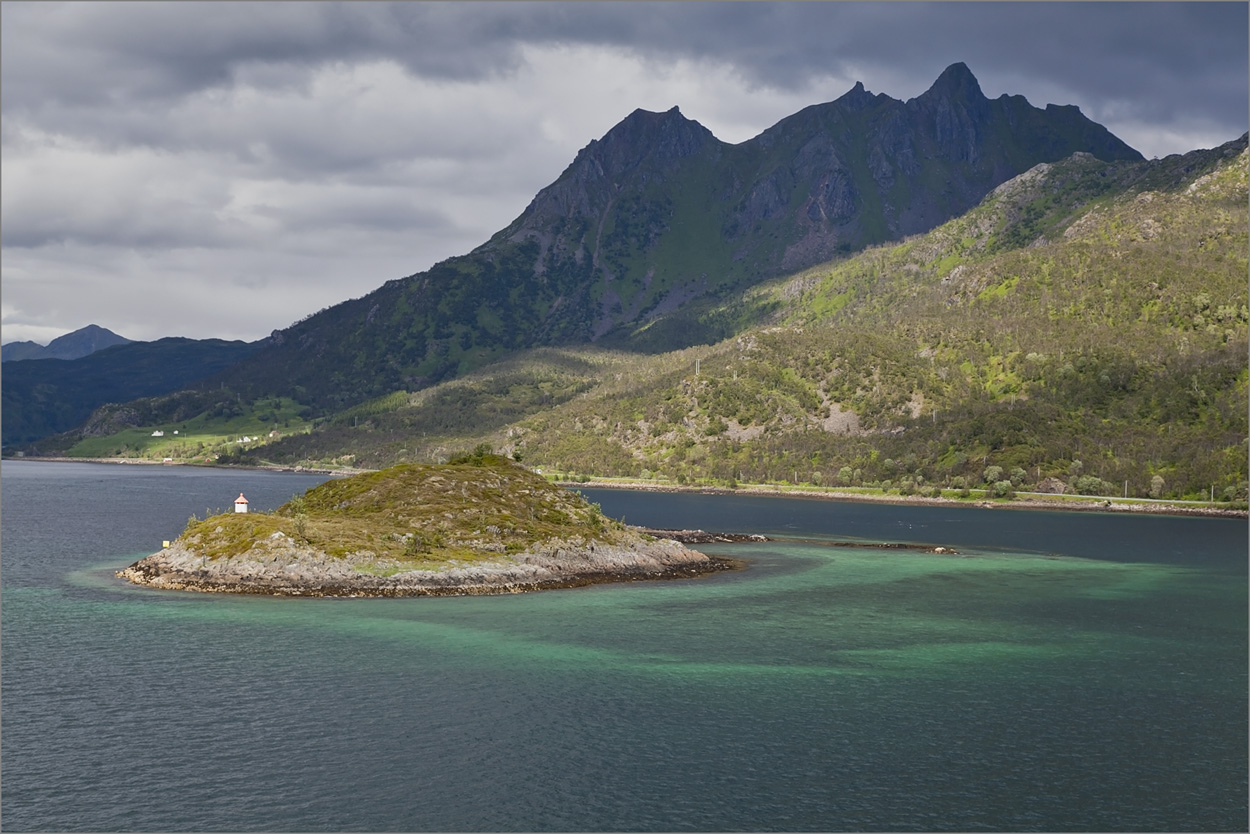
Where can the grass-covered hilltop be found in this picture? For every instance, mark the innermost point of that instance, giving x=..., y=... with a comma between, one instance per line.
x=481, y=524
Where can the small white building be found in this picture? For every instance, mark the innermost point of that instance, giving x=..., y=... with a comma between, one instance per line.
x=158, y=433
x=240, y=504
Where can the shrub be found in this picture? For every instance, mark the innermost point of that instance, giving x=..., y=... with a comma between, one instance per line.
x=1092, y=485
x=1002, y=489
x=477, y=457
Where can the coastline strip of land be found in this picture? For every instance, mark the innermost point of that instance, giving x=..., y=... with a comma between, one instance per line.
x=1021, y=501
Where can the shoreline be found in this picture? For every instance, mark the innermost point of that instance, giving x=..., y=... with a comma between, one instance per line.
x=302, y=470
x=279, y=566
x=1090, y=503
x=330, y=590
x=1027, y=501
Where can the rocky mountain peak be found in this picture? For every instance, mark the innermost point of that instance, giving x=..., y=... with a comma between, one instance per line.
x=656, y=218
x=663, y=137
x=955, y=83
x=642, y=145
x=856, y=98
x=75, y=345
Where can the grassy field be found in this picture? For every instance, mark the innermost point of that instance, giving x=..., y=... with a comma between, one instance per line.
x=201, y=438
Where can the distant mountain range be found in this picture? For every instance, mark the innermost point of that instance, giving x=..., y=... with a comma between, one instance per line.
x=46, y=396
x=75, y=345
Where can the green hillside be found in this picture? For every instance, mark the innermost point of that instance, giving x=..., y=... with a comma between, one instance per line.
x=1086, y=323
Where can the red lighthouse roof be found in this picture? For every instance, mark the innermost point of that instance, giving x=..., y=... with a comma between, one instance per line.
x=240, y=499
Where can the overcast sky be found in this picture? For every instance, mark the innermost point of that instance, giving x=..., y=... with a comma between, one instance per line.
x=224, y=169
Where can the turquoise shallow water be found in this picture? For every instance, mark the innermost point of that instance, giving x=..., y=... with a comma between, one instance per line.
x=1062, y=672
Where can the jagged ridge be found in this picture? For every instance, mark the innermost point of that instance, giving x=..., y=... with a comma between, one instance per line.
x=658, y=217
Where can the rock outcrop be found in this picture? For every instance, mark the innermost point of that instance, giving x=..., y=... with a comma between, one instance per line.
x=283, y=567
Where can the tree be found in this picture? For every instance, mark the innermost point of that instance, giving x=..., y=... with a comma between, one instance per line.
x=1156, y=486
x=1092, y=485
x=1002, y=489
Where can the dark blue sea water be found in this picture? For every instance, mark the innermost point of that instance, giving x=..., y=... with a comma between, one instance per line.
x=1064, y=672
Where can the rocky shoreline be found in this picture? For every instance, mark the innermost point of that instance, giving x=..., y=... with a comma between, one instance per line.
x=700, y=536
x=281, y=566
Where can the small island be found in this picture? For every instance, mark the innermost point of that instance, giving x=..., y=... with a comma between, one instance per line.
x=481, y=524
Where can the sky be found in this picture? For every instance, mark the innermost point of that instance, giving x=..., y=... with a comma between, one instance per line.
x=224, y=169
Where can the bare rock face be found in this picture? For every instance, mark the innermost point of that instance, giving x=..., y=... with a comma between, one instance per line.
x=284, y=568
x=1052, y=486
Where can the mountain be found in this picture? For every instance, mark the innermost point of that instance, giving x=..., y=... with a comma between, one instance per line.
x=81, y=342
x=1083, y=328
x=653, y=226
x=42, y=397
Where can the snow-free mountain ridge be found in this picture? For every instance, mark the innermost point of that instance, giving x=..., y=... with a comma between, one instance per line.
x=658, y=219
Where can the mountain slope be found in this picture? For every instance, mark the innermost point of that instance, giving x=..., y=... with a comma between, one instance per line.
x=1085, y=325
x=658, y=222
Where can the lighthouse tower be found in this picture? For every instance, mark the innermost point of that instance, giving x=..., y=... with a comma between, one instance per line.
x=240, y=504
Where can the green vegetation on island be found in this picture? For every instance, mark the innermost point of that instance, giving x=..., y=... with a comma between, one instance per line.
x=478, y=506
x=480, y=524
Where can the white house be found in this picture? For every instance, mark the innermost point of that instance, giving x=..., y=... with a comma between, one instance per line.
x=158, y=433
x=240, y=504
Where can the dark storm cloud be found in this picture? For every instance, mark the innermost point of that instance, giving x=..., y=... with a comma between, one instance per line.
x=307, y=152
x=140, y=51
x=1155, y=61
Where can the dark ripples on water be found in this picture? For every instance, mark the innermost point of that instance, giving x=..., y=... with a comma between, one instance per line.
x=821, y=689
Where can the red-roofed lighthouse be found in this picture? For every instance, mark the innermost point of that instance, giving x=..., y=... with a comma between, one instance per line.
x=240, y=504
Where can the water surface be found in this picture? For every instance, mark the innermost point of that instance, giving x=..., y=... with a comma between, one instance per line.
x=1064, y=671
